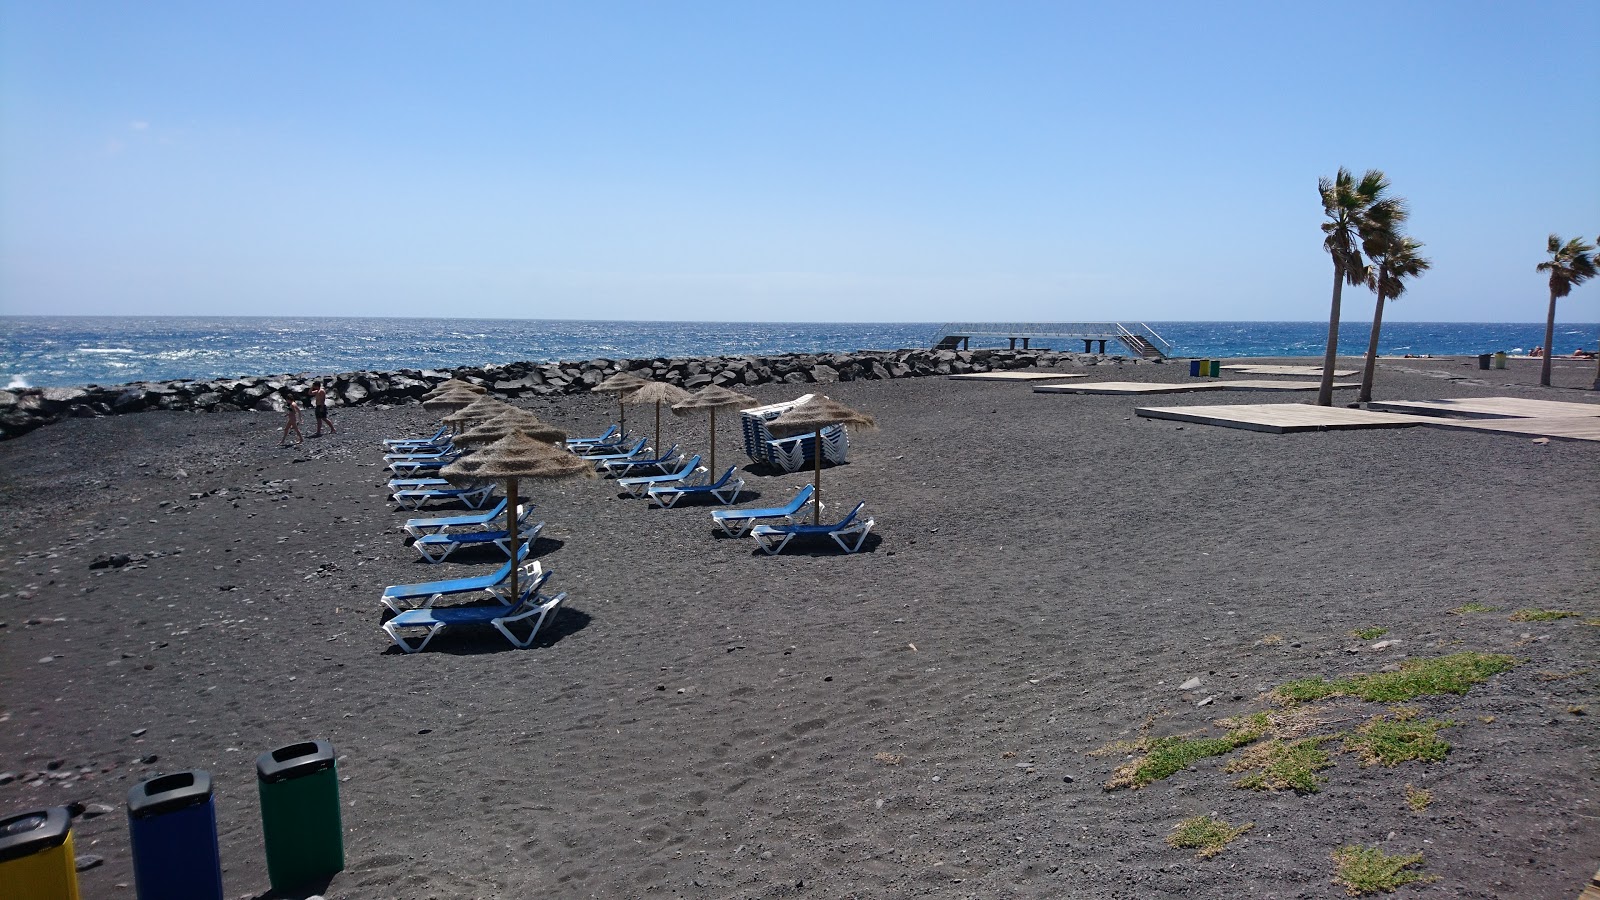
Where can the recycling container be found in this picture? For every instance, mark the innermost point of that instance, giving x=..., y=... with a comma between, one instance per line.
x=1500, y=359
x=1194, y=367
x=1214, y=368
x=36, y=858
x=172, y=826
x=1483, y=360
x=299, y=786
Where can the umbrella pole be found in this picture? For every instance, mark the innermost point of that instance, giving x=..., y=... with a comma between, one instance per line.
x=511, y=532
x=622, y=420
x=713, y=442
x=816, y=486
x=658, y=428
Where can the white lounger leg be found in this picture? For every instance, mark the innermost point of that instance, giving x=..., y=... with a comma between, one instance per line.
x=403, y=644
x=860, y=532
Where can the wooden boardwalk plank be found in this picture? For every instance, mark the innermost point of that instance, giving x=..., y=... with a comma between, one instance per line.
x=1017, y=376
x=1281, y=418
x=1314, y=371
x=1185, y=387
x=1567, y=428
x=1489, y=407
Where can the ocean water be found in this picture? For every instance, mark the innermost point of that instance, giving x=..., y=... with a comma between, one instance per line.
x=73, y=350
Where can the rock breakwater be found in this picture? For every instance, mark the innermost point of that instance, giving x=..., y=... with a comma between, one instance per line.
x=24, y=409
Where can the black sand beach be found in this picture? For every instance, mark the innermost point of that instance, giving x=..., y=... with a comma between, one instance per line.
x=915, y=720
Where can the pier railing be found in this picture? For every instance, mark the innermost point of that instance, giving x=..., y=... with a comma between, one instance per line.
x=1137, y=336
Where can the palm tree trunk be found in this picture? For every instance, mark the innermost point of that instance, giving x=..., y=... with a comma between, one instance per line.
x=1325, y=391
x=1372, y=349
x=1549, y=338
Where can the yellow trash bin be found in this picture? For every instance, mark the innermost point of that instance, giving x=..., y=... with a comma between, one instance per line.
x=1500, y=359
x=36, y=858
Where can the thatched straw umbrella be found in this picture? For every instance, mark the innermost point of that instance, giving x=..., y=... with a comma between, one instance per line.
x=456, y=384
x=450, y=401
x=513, y=421
x=814, y=415
x=657, y=392
x=713, y=397
x=515, y=457
x=620, y=384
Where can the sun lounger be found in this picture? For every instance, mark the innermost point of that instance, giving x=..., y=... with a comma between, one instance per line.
x=725, y=489
x=735, y=522
x=689, y=473
x=534, y=612
x=406, y=484
x=621, y=467
x=599, y=454
x=406, y=467
x=789, y=454
x=420, y=527
x=401, y=597
x=610, y=438
x=400, y=445
x=472, y=498
x=447, y=450
x=849, y=533
x=438, y=547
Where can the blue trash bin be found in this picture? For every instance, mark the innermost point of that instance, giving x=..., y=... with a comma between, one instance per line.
x=172, y=826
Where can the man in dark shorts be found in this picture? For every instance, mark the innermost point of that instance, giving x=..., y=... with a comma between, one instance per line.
x=319, y=403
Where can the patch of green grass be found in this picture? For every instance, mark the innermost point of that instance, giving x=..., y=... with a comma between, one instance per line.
x=1170, y=755
x=1453, y=674
x=1541, y=615
x=1205, y=835
x=1474, y=607
x=1278, y=765
x=1393, y=740
x=1369, y=634
x=1368, y=870
x=1417, y=798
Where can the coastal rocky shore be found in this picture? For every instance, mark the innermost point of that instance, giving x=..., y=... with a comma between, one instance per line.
x=22, y=410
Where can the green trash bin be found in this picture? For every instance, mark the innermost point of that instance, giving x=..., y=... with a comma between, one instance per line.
x=299, y=786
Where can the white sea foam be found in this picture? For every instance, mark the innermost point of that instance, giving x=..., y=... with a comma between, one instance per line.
x=105, y=350
x=17, y=381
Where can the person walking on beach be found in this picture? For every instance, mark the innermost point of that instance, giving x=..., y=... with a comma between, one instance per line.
x=293, y=424
x=319, y=405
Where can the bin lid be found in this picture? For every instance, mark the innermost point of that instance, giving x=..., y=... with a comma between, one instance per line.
x=294, y=761
x=33, y=832
x=166, y=793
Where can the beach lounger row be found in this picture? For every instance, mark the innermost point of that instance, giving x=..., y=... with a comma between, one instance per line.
x=774, y=527
x=413, y=628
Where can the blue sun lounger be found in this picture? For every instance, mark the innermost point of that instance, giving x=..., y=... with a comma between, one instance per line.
x=611, y=438
x=401, y=445
x=735, y=522
x=535, y=607
x=639, y=485
x=600, y=455
x=415, y=466
x=473, y=497
x=620, y=467
x=438, y=547
x=420, y=527
x=401, y=597
x=726, y=489
x=773, y=538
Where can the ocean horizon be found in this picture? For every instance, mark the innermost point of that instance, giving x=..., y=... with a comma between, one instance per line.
x=52, y=351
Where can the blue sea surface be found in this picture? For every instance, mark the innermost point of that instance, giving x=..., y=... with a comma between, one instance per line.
x=73, y=350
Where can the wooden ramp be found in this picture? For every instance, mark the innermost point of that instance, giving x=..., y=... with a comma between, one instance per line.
x=1186, y=387
x=1017, y=376
x=1489, y=407
x=1281, y=418
x=1567, y=428
x=1313, y=371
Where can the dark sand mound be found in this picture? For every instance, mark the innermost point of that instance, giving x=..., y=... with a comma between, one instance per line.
x=705, y=721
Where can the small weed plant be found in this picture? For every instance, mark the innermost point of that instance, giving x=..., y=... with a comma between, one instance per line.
x=1397, y=738
x=1474, y=607
x=1418, y=799
x=1369, y=634
x=1278, y=765
x=1453, y=674
x=1205, y=836
x=1368, y=870
x=1166, y=756
x=1541, y=615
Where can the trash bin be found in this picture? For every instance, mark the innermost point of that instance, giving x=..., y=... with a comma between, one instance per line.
x=1500, y=359
x=1483, y=360
x=299, y=786
x=172, y=827
x=1194, y=368
x=1214, y=368
x=36, y=858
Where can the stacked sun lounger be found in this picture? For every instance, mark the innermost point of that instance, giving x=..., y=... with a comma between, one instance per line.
x=789, y=454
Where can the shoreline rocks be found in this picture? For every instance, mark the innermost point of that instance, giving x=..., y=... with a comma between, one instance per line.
x=24, y=409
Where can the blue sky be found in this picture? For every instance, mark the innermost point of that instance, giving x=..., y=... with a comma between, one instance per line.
x=915, y=161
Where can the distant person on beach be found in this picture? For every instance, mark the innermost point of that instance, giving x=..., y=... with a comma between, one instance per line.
x=293, y=424
x=1581, y=353
x=319, y=405
x=1536, y=352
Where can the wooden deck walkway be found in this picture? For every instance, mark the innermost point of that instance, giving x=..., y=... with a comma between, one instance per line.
x=1017, y=376
x=1281, y=418
x=1313, y=371
x=1489, y=407
x=1567, y=428
x=1185, y=387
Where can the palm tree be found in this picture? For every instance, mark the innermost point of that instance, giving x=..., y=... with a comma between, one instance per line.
x=1569, y=266
x=1396, y=262
x=1359, y=216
